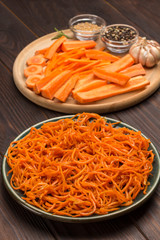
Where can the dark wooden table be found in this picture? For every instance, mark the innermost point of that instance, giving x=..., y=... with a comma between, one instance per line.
x=23, y=21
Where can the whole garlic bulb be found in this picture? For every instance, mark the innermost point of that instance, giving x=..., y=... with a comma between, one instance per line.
x=146, y=52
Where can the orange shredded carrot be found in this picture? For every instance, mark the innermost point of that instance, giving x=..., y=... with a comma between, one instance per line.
x=80, y=166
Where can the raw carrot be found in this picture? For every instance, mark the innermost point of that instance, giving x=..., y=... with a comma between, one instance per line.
x=32, y=70
x=89, y=86
x=36, y=60
x=134, y=70
x=42, y=82
x=50, y=88
x=100, y=55
x=51, y=64
x=63, y=92
x=86, y=67
x=83, y=79
x=113, y=77
x=32, y=79
x=120, y=64
x=69, y=45
x=81, y=61
x=54, y=47
x=80, y=166
x=41, y=51
x=110, y=90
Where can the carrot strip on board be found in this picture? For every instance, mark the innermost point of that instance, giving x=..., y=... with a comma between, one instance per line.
x=33, y=69
x=32, y=79
x=134, y=70
x=69, y=45
x=50, y=88
x=113, y=77
x=89, y=86
x=86, y=67
x=110, y=90
x=42, y=82
x=80, y=166
x=54, y=47
x=36, y=60
x=63, y=92
x=100, y=55
x=120, y=64
x=51, y=64
x=41, y=51
x=82, y=60
x=83, y=79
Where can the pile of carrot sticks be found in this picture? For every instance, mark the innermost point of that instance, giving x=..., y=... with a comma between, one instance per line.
x=77, y=69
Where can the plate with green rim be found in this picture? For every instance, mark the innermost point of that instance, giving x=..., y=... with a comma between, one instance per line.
x=140, y=199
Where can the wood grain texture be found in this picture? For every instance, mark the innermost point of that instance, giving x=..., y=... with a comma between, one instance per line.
x=142, y=13
x=21, y=23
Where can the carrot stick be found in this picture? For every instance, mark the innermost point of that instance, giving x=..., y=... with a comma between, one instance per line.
x=82, y=60
x=51, y=64
x=113, y=77
x=54, y=47
x=41, y=51
x=69, y=45
x=50, y=88
x=89, y=86
x=86, y=67
x=135, y=70
x=42, y=82
x=110, y=90
x=100, y=55
x=120, y=64
x=83, y=79
x=63, y=92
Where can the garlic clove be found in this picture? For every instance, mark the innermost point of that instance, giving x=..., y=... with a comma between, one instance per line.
x=134, y=51
x=142, y=56
x=156, y=53
x=150, y=61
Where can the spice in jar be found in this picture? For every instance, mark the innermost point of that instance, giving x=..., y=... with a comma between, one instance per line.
x=87, y=26
x=120, y=33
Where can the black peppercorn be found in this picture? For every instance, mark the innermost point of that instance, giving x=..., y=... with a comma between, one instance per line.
x=120, y=33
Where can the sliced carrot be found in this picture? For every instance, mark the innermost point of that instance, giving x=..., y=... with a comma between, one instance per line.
x=36, y=60
x=89, y=86
x=87, y=66
x=135, y=70
x=32, y=79
x=50, y=88
x=83, y=79
x=63, y=92
x=80, y=61
x=110, y=90
x=51, y=64
x=33, y=69
x=69, y=45
x=113, y=77
x=120, y=64
x=41, y=51
x=100, y=55
x=42, y=82
x=54, y=47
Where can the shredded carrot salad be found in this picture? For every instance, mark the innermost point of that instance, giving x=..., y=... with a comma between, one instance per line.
x=80, y=166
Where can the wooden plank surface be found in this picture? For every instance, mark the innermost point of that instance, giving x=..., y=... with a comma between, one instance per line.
x=21, y=23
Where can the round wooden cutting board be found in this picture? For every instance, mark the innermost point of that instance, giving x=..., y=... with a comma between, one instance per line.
x=71, y=106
